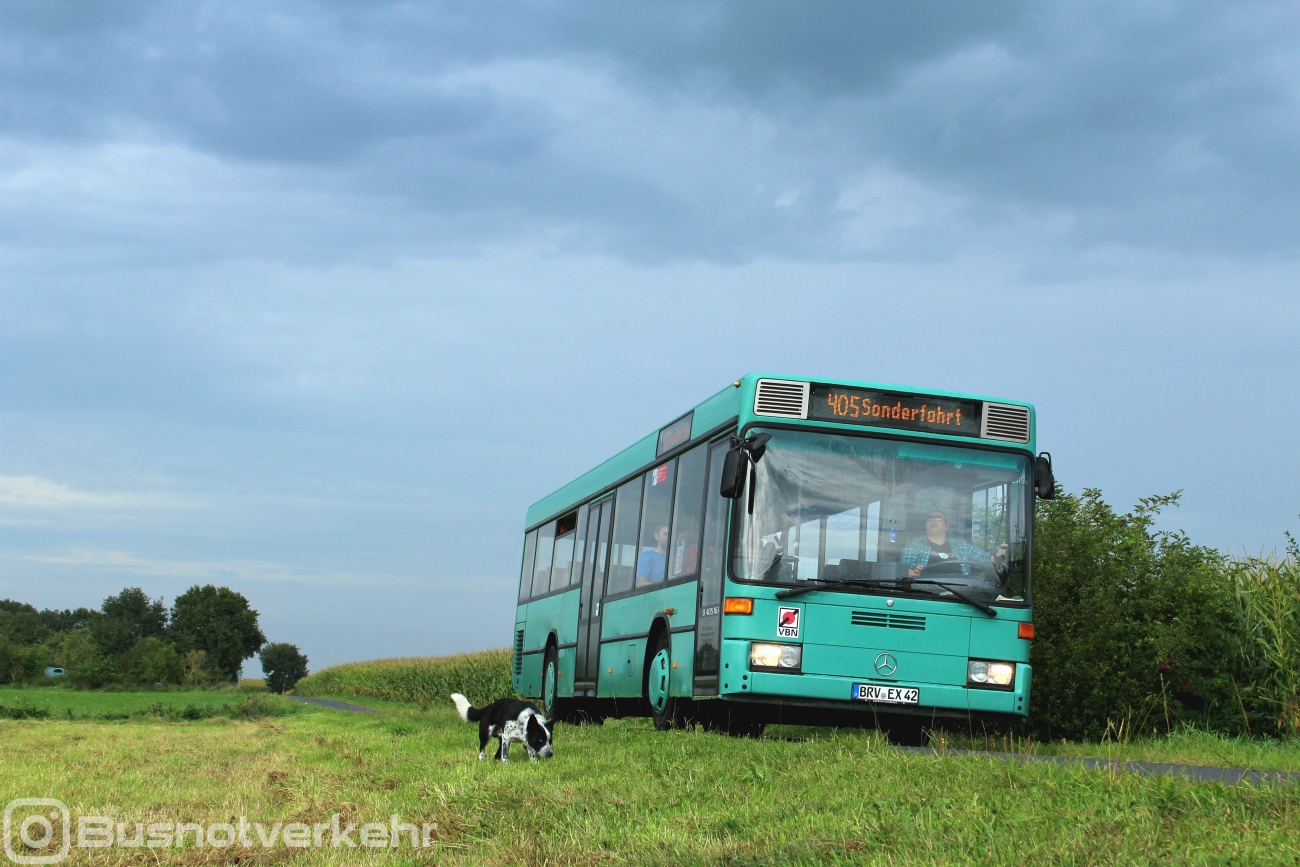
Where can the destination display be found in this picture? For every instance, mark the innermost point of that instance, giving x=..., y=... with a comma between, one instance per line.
x=675, y=434
x=893, y=409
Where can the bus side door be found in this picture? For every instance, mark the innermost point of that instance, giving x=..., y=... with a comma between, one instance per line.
x=593, y=584
x=713, y=566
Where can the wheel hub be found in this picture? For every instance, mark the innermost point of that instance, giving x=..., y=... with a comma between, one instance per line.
x=658, y=682
x=548, y=698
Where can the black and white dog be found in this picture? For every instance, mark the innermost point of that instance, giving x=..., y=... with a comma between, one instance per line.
x=508, y=719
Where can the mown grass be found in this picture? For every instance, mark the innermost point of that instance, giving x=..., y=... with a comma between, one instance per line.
x=481, y=677
x=623, y=793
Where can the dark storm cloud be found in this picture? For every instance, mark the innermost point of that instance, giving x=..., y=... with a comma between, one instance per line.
x=665, y=130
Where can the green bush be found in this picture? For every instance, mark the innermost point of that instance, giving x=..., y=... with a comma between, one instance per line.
x=19, y=663
x=77, y=648
x=23, y=711
x=95, y=673
x=159, y=662
x=1137, y=630
x=257, y=705
x=195, y=670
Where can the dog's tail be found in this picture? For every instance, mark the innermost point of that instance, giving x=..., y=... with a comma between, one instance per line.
x=467, y=712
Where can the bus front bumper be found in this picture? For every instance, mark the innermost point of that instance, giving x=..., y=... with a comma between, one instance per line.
x=823, y=690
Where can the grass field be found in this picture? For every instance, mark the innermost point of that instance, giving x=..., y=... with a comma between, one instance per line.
x=624, y=793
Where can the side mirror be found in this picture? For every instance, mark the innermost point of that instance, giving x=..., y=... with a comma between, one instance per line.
x=1044, y=481
x=734, y=466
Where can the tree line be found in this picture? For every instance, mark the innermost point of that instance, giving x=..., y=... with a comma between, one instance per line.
x=202, y=639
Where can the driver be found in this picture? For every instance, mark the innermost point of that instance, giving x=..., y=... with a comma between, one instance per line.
x=936, y=546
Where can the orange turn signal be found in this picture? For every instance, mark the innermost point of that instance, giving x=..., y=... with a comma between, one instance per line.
x=737, y=605
x=1027, y=631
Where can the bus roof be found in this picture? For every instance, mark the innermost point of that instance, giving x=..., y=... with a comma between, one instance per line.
x=735, y=404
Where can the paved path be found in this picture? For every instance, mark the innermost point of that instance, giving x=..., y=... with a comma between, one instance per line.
x=1197, y=773
x=332, y=704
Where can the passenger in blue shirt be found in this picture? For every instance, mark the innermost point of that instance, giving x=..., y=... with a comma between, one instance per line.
x=650, y=566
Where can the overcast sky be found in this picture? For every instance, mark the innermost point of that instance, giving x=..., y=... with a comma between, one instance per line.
x=312, y=300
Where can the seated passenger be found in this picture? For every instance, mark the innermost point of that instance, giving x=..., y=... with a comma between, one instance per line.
x=935, y=546
x=650, y=565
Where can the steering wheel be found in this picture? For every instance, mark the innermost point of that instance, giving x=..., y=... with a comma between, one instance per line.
x=943, y=567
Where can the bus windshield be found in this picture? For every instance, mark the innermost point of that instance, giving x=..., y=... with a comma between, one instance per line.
x=934, y=520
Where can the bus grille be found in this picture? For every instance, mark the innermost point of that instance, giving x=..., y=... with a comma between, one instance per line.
x=519, y=651
x=781, y=398
x=887, y=620
x=1003, y=422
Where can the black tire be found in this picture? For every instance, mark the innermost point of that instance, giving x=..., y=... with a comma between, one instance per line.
x=665, y=708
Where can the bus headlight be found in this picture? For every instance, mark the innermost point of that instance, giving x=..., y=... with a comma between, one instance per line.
x=776, y=657
x=990, y=675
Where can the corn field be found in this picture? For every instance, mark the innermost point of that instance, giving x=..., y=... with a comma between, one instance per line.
x=425, y=680
x=1268, y=589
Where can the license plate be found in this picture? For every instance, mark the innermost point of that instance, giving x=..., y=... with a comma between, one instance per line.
x=886, y=694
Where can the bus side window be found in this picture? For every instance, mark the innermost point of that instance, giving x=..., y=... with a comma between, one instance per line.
x=562, y=561
x=565, y=533
x=579, y=547
x=656, y=511
x=688, y=506
x=526, y=573
x=627, y=515
x=545, y=548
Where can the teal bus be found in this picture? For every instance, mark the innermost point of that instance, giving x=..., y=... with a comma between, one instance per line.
x=799, y=551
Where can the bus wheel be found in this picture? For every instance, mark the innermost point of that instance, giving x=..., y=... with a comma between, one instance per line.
x=550, y=685
x=663, y=706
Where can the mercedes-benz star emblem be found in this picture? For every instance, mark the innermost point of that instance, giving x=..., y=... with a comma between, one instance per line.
x=886, y=664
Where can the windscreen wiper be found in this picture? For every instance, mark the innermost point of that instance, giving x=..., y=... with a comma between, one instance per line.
x=982, y=606
x=901, y=583
x=823, y=583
